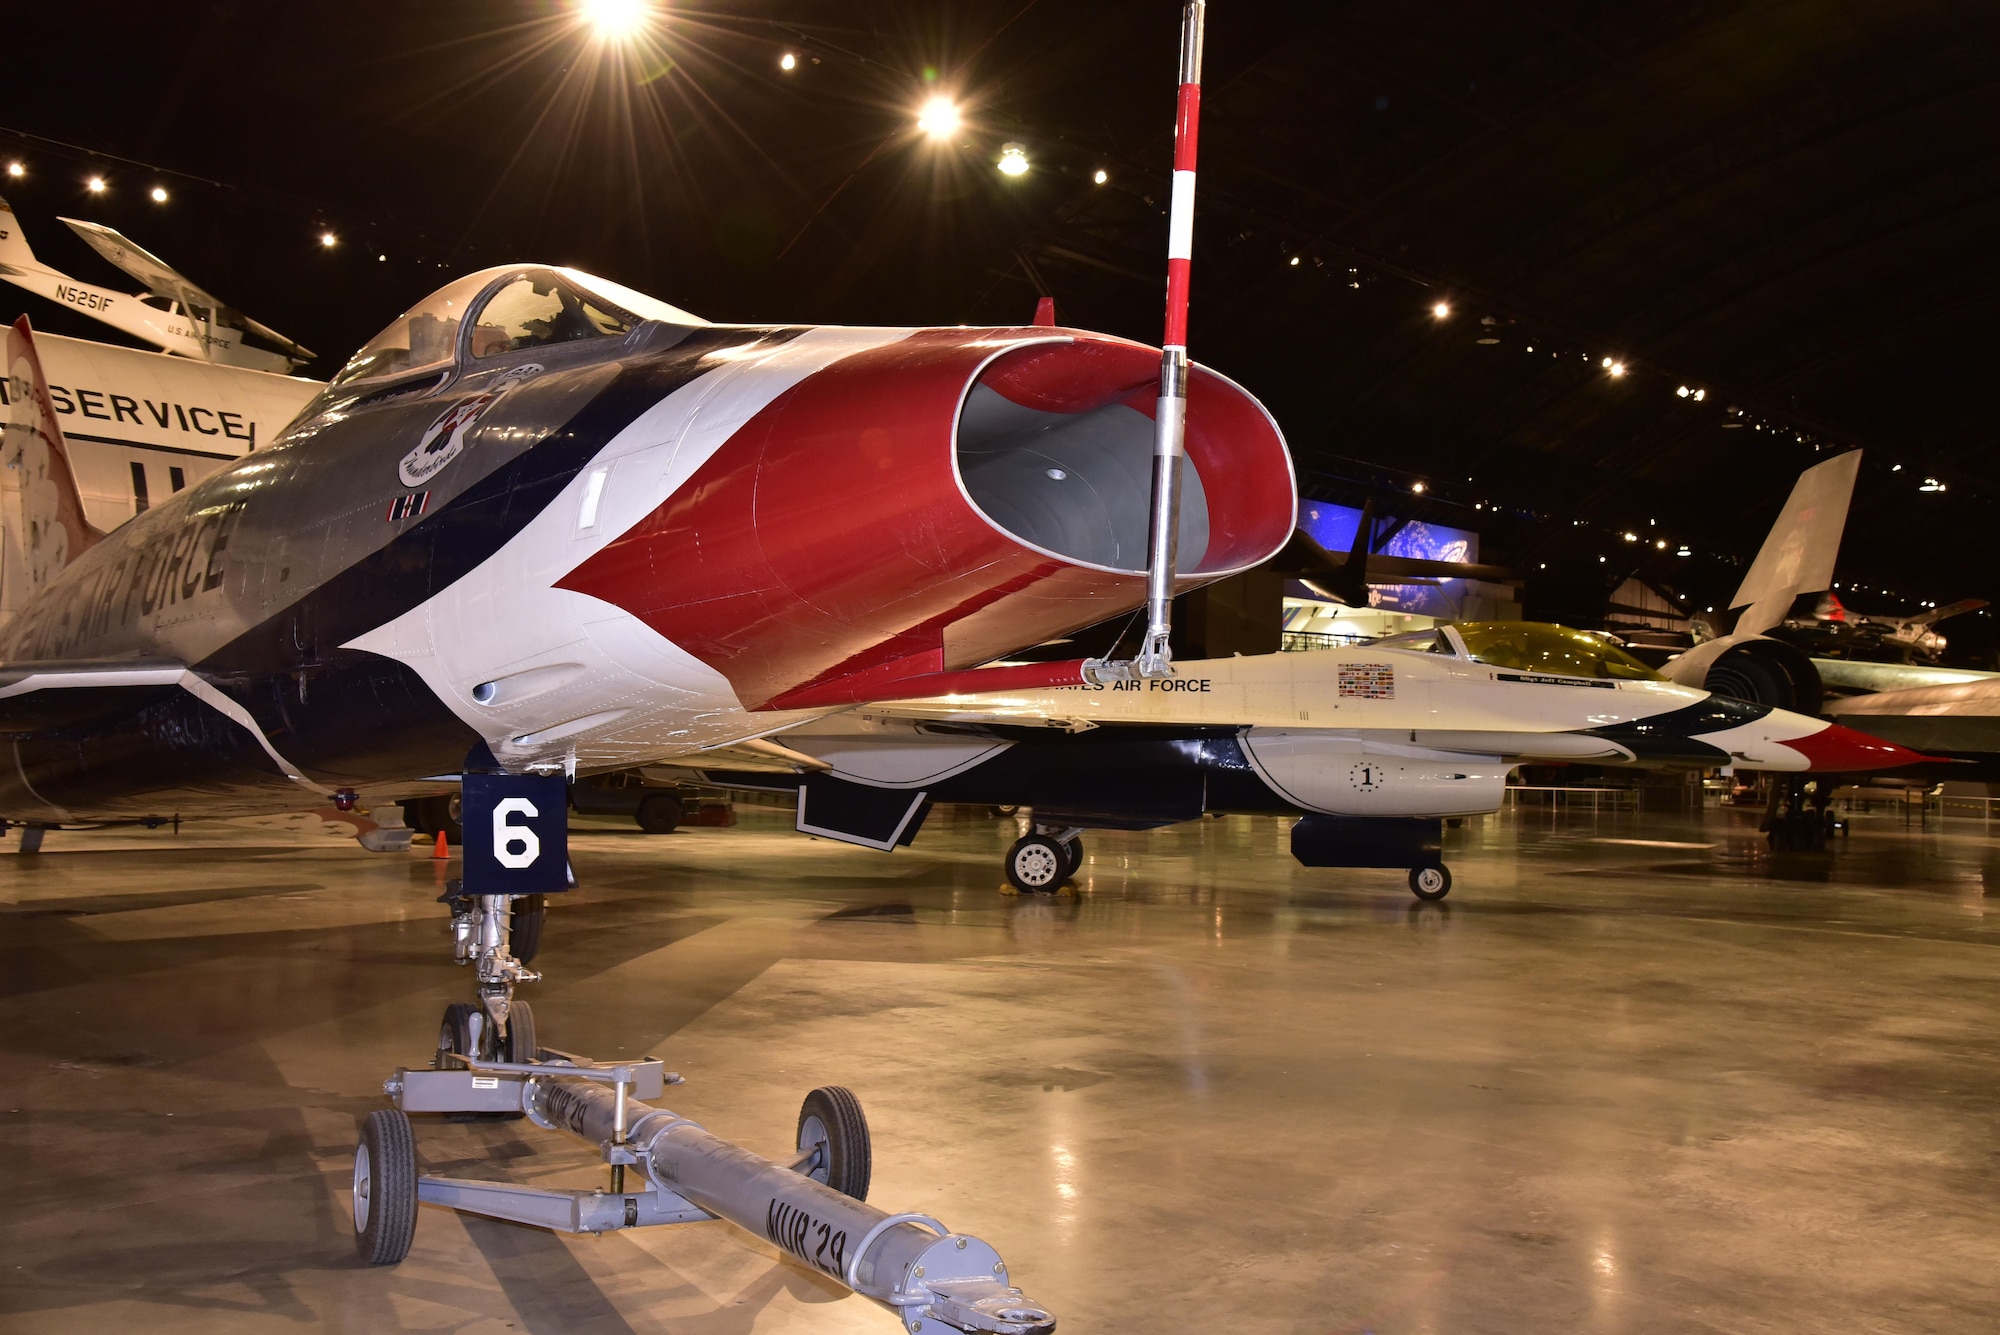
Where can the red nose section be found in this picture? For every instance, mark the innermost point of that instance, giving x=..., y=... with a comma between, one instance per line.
x=1839, y=750
x=934, y=504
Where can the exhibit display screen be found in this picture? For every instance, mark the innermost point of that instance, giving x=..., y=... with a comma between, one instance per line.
x=1332, y=527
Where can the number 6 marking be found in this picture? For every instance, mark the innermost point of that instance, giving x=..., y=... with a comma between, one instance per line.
x=505, y=836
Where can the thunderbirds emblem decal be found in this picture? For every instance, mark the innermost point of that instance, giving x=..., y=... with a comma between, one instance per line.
x=444, y=439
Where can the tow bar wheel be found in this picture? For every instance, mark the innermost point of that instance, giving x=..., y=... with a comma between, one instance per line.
x=1037, y=863
x=831, y=1122
x=1430, y=882
x=385, y=1188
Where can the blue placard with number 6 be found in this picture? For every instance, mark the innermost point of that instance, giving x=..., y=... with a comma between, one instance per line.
x=516, y=834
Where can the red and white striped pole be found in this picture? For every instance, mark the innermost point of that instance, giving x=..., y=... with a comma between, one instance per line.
x=1170, y=422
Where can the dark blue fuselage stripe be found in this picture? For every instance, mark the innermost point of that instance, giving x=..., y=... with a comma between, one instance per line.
x=452, y=541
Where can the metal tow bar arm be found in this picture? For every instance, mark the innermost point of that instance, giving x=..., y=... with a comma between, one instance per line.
x=909, y=1263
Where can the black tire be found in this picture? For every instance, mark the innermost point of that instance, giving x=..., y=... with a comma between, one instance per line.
x=832, y=1116
x=1037, y=864
x=385, y=1188
x=525, y=921
x=1430, y=883
x=1074, y=848
x=431, y=814
x=660, y=814
x=519, y=1044
x=455, y=1035
x=455, y=1030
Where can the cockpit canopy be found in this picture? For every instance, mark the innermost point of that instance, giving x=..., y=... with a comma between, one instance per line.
x=1527, y=646
x=510, y=308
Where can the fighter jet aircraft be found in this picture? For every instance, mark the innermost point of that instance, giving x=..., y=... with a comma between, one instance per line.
x=1373, y=746
x=549, y=518
x=1758, y=661
x=174, y=314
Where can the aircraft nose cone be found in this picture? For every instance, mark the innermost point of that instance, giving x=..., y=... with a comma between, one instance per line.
x=1835, y=749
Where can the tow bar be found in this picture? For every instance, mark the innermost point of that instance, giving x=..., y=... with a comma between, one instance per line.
x=909, y=1263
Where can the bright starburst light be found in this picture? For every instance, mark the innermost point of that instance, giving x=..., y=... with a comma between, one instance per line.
x=615, y=20
x=940, y=118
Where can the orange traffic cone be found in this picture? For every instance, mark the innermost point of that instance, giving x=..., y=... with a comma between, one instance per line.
x=441, y=853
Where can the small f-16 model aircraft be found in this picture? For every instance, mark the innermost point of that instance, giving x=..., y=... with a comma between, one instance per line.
x=1372, y=746
x=173, y=314
x=543, y=525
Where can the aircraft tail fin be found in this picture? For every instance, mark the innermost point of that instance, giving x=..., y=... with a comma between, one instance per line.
x=43, y=517
x=1797, y=557
x=14, y=249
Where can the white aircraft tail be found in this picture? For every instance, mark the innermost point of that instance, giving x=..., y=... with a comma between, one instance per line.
x=1798, y=555
x=41, y=510
x=13, y=243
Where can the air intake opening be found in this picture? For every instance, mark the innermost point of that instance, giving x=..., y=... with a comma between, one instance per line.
x=1055, y=446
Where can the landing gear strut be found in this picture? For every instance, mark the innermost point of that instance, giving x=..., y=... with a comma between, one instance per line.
x=1043, y=859
x=1798, y=818
x=489, y=1064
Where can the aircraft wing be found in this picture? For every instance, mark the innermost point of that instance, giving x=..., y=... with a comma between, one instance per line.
x=1957, y=719
x=758, y=754
x=163, y=280
x=45, y=696
x=1957, y=609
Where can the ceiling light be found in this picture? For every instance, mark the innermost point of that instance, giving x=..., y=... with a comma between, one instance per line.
x=1617, y=368
x=1607, y=363
x=1295, y=261
x=1931, y=484
x=1101, y=176
x=1683, y=391
x=1630, y=537
x=940, y=118
x=788, y=61
x=328, y=239
x=1442, y=310
x=1661, y=544
x=1895, y=468
x=1700, y=394
x=1014, y=161
x=614, y=20
x=1683, y=551
x=1417, y=487
x=16, y=169
x=159, y=194
x=96, y=185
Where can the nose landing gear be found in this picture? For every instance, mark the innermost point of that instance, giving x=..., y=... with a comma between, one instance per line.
x=489, y=1065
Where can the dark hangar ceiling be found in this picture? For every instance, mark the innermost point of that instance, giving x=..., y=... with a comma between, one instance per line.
x=1787, y=206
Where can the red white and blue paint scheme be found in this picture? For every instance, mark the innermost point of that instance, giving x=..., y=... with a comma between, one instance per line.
x=1373, y=745
x=553, y=519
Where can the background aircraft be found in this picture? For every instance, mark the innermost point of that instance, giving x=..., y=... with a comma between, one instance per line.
x=1372, y=745
x=1830, y=629
x=140, y=426
x=173, y=314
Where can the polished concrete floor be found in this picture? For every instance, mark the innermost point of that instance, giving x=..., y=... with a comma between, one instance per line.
x=1635, y=1075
